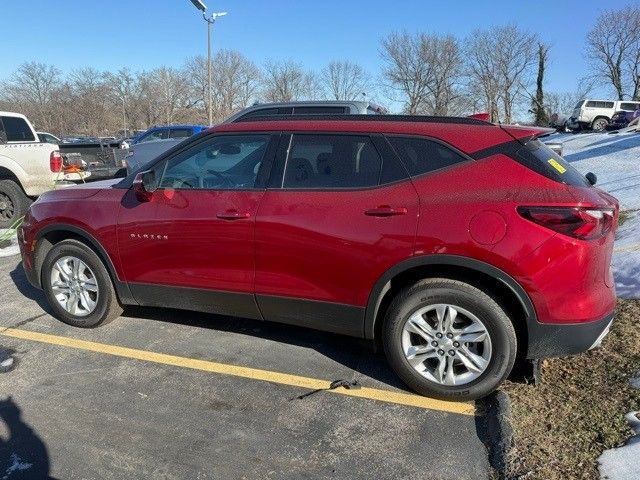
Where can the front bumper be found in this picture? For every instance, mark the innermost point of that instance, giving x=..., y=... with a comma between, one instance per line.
x=559, y=340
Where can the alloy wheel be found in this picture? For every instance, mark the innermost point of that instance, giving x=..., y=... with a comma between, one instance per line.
x=74, y=285
x=446, y=344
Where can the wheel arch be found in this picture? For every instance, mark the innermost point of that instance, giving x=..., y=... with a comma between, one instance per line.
x=10, y=170
x=53, y=234
x=497, y=283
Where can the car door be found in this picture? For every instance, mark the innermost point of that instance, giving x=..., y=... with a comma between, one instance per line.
x=337, y=215
x=191, y=245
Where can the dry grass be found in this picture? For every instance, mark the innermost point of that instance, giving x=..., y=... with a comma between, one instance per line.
x=563, y=425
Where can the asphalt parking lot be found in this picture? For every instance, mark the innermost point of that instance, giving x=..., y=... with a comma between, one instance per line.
x=171, y=394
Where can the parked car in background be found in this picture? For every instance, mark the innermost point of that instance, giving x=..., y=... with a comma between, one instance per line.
x=390, y=228
x=139, y=154
x=328, y=107
x=559, y=121
x=168, y=131
x=142, y=153
x=28, y=167
x=623, y=118
x=596, y=114
x=45, y=137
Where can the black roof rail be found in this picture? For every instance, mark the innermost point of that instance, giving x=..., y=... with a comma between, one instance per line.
x=367, y=118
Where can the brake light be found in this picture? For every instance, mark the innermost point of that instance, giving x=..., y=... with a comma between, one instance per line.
x=55, y=161
x=576, y=222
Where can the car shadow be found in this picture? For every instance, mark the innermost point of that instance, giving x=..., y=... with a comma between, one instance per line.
x=356, y=354
x=600, y=148
x=19, y=278
x=23, y=454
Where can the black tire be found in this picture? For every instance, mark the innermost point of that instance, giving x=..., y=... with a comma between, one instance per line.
x=107, y=305
x=436, y=291
x=14, y=203
x=600, y=124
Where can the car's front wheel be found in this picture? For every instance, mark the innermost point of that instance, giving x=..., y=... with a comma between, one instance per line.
x=77, y=285
x=447, y=339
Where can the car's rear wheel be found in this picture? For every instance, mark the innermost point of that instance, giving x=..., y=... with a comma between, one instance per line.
x=599, y=124
x=77, y=285
x=13, y=203
x=449, y=340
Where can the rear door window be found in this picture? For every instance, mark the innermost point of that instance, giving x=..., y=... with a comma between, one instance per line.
x=421, y=155
x=331, y=162
x=540, y=158
x=180, y=133
x=154, y=136
x=17, y=130
x=266, y=112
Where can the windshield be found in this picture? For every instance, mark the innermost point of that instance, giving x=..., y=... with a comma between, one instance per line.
x=579, y=104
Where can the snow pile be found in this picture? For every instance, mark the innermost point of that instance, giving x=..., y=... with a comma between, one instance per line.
x=615, y=159
x=9, y=246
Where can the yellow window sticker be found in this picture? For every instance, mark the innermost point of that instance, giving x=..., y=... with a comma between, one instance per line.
x=555, y=164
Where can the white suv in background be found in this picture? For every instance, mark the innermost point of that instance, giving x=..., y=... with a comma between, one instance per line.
x=596, y=114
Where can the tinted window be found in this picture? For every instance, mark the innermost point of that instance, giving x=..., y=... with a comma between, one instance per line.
x=17, y=130
x=180, y=133
x=46, y=138
x=319, y=110
x=264, y=112
x=599, y=104
x=225, y=162
x=422, y=156
x=154, y=135
x=331, y=161
x=630, y=106
x=540, y=158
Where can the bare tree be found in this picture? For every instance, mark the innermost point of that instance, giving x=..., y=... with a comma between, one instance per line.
x=288, y=81
x=344, y=80
x=165, y=95
x=425, y=70
x=235, y=82
x=500, y=61
x=33, y=88
x=404, y=70
x=539, y=109
x=613, y=46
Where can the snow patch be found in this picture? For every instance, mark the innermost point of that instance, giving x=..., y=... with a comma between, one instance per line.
x=12, y=248
x=623, y=463
x=615, y=159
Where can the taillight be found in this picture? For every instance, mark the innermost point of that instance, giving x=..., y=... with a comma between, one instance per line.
x=55, y=161
x=582, y=223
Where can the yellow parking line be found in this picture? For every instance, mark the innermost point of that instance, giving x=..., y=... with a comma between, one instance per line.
x=244, y=372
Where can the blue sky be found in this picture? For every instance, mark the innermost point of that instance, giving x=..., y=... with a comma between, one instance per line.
x=144, y=34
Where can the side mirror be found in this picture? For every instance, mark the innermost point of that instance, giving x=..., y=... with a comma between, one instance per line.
x=591, y=178
x=144, y=185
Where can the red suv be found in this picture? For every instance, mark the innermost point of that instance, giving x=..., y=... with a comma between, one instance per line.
x=456, y=243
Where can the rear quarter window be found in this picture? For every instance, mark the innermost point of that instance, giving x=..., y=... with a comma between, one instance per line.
x=541, y=159
x=421, y=155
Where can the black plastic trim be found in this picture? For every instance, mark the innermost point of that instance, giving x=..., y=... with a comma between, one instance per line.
x=558, y=340
x=375, y=297
x=122, y=289
x=326, y=316
x=236, y=304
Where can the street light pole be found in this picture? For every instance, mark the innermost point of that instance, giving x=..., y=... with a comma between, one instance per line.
x=210, y=21
x=200, y=5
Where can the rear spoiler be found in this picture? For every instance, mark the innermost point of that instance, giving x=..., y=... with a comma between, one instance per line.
x=525, y=134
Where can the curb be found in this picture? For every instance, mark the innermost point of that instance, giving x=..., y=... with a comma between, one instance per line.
x=493, y=427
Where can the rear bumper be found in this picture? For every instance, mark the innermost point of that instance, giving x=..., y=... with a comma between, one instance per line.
x=559, y=340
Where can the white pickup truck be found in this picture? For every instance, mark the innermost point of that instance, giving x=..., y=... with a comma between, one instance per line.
x=28, y=167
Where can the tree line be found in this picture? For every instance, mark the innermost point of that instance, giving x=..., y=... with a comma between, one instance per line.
x=499, y=70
